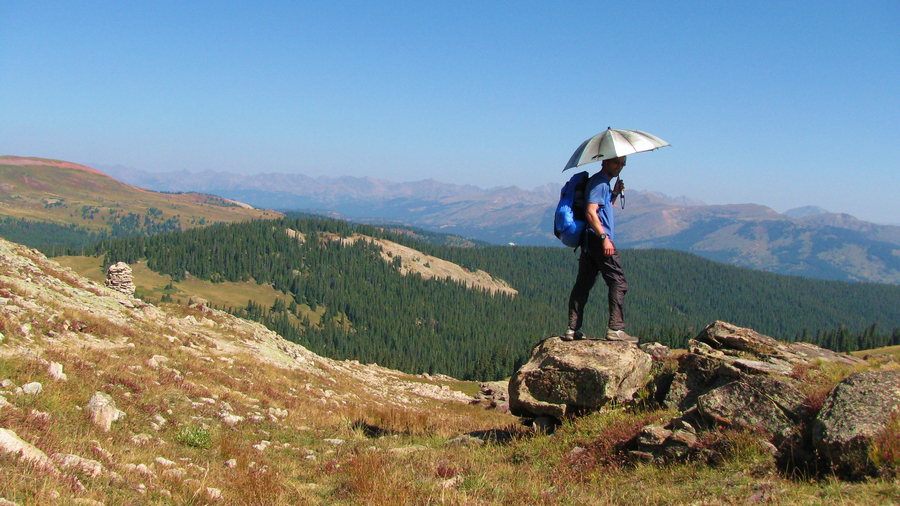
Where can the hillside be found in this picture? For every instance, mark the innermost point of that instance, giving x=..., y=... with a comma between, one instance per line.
x=208, y=409
x=344, y=297
x=172, y=370
x=71, y=195
x=806, y=242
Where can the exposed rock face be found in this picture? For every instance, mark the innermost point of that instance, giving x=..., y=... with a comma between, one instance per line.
x=737, y=377
x=563, y=378
x=855, y=412
x=119, y=278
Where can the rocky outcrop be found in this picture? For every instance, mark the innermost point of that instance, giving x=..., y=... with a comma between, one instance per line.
x=763, y=351
x=722, y=389
x=858, y=409
x=119, y=278
x=734, y=377
x=564, y=378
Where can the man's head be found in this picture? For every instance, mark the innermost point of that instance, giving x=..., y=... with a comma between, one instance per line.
x=612, y=166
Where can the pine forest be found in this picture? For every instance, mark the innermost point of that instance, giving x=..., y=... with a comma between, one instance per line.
x=373, y=313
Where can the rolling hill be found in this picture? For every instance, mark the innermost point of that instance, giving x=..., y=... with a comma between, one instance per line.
x=72, y=195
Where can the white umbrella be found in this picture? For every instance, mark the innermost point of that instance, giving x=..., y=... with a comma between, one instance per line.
x=613, y=144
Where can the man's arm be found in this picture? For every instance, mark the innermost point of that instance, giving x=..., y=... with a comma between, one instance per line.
x=609, y=249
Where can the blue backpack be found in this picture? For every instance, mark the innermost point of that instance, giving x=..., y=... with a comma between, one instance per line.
x=569, y=222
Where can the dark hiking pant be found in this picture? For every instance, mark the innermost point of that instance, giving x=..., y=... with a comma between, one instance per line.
x=591, y=263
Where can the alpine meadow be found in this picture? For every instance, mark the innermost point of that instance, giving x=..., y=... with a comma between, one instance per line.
x=449, y=254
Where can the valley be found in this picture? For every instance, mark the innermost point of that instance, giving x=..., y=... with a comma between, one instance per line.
x=812, y=242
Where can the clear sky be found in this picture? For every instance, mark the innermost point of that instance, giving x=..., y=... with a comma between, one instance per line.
x=777, y=103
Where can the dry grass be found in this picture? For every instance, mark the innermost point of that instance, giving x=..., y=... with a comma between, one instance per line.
x=818, y=378
x=408, y=463
x=319, y=435
x=885, y=449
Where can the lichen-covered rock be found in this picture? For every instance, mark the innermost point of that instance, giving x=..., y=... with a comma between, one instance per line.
x=855, y=411
x=102, y=409
x=754, y=401
x=566, y=377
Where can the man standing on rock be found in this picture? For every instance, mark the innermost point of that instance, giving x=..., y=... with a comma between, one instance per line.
x=598, y=255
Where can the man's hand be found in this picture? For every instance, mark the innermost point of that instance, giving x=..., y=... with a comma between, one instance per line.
x=609, y=249
x=620, y=187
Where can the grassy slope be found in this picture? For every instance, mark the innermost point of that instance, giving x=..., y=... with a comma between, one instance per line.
x=152, y=286
x=224, y=360
x=58, y=194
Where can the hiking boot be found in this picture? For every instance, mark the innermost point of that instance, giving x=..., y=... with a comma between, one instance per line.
x=572, y=335
x=620, y=335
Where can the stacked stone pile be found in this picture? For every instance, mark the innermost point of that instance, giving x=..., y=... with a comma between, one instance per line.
x=119, y=278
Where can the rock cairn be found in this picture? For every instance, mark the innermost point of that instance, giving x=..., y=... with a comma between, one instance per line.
x=119, y=278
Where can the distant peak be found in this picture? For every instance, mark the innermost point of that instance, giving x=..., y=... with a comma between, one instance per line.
x=805, y=212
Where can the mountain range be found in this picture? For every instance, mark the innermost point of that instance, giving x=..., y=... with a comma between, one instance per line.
x=806, y=241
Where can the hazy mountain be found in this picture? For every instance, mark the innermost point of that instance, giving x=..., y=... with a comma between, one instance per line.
x=805, y=241
x=830, y=246
x=805, y=212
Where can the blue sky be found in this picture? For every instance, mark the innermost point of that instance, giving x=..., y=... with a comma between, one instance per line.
x=778, y=103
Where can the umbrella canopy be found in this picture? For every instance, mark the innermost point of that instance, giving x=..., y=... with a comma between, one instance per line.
x=613, y=144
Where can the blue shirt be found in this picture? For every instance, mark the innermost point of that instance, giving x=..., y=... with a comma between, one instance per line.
x=599, y=193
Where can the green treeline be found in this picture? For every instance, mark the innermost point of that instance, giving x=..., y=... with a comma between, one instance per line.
x=49, y=238
x=374, y=314
x=53, y=239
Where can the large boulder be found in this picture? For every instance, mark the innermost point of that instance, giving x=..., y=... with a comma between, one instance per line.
x=754, y=402
x=856, y=411
x=736, y=377
x=563, y=378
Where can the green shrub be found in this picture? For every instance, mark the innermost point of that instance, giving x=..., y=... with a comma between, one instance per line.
x=195, y=436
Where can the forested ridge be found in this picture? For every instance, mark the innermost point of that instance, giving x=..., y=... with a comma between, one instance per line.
x=374, y=314
x=55, y=239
